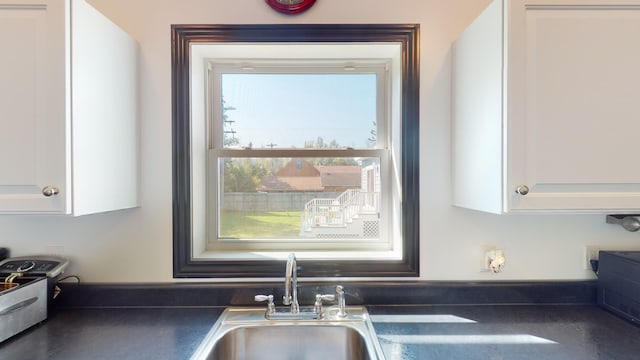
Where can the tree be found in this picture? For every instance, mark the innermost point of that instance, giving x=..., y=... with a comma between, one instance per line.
x=229, y=134
x=242, y=175
x=319, y=143
x=373, y=138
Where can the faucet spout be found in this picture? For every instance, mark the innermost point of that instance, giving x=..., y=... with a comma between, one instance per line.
x=291, y=285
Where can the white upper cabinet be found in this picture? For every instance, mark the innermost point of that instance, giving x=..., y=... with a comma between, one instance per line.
x=546, y=108
x=68, y=110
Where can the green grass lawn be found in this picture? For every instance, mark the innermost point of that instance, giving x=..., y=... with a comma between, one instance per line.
x=256, y=224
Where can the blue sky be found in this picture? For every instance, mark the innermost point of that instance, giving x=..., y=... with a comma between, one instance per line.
x=288, y=109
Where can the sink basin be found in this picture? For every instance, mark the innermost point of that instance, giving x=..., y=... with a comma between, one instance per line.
x=245, y=333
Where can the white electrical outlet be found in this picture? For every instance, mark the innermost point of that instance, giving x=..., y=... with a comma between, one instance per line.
x=490, y=254
x=484, y=250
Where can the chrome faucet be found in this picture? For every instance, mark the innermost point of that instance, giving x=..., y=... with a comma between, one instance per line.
x=290, y=298
x=291, y=285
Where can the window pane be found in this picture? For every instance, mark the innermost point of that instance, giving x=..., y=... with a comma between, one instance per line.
x=299, y=198
x=299, y=110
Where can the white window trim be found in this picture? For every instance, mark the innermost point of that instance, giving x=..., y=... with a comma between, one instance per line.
x=229, y=53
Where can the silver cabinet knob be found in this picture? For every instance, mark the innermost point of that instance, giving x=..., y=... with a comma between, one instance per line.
x=522, y=189
x=50, y=191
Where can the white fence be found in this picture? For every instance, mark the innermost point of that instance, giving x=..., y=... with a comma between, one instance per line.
x=286, y=201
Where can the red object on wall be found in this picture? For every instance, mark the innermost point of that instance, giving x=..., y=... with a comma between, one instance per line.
x=290, y=6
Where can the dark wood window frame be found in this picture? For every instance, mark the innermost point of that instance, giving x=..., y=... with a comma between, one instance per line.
x=184, y=35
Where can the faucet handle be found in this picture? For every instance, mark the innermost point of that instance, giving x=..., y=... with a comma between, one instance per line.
x=271, y=307
x=326, y=297
x=317, y=306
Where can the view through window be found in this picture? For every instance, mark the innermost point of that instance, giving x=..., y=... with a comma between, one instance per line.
x=296, y=197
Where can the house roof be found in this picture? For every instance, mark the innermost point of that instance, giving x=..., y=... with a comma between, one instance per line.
x=298, y=168
x=290, y=183
x=300, y=175
x=349, y=176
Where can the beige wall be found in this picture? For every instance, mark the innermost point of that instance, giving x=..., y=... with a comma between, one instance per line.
x=136, y=245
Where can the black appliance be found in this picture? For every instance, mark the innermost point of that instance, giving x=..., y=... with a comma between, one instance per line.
x=619, y=283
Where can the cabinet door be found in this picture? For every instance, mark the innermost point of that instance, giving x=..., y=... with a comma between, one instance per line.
x=574, y=107
x=33, y=106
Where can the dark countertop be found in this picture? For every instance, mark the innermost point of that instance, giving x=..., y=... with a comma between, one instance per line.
x=405, y=332
x=131, y=333
x=505, y=332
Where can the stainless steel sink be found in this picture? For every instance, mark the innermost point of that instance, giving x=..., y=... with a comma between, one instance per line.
x=245, y=333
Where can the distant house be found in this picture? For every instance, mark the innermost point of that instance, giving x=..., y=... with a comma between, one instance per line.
x=340, y=178
x=299, y=175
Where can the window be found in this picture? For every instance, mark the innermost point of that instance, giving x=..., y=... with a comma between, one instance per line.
x=291, y=140
x=295, y=138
